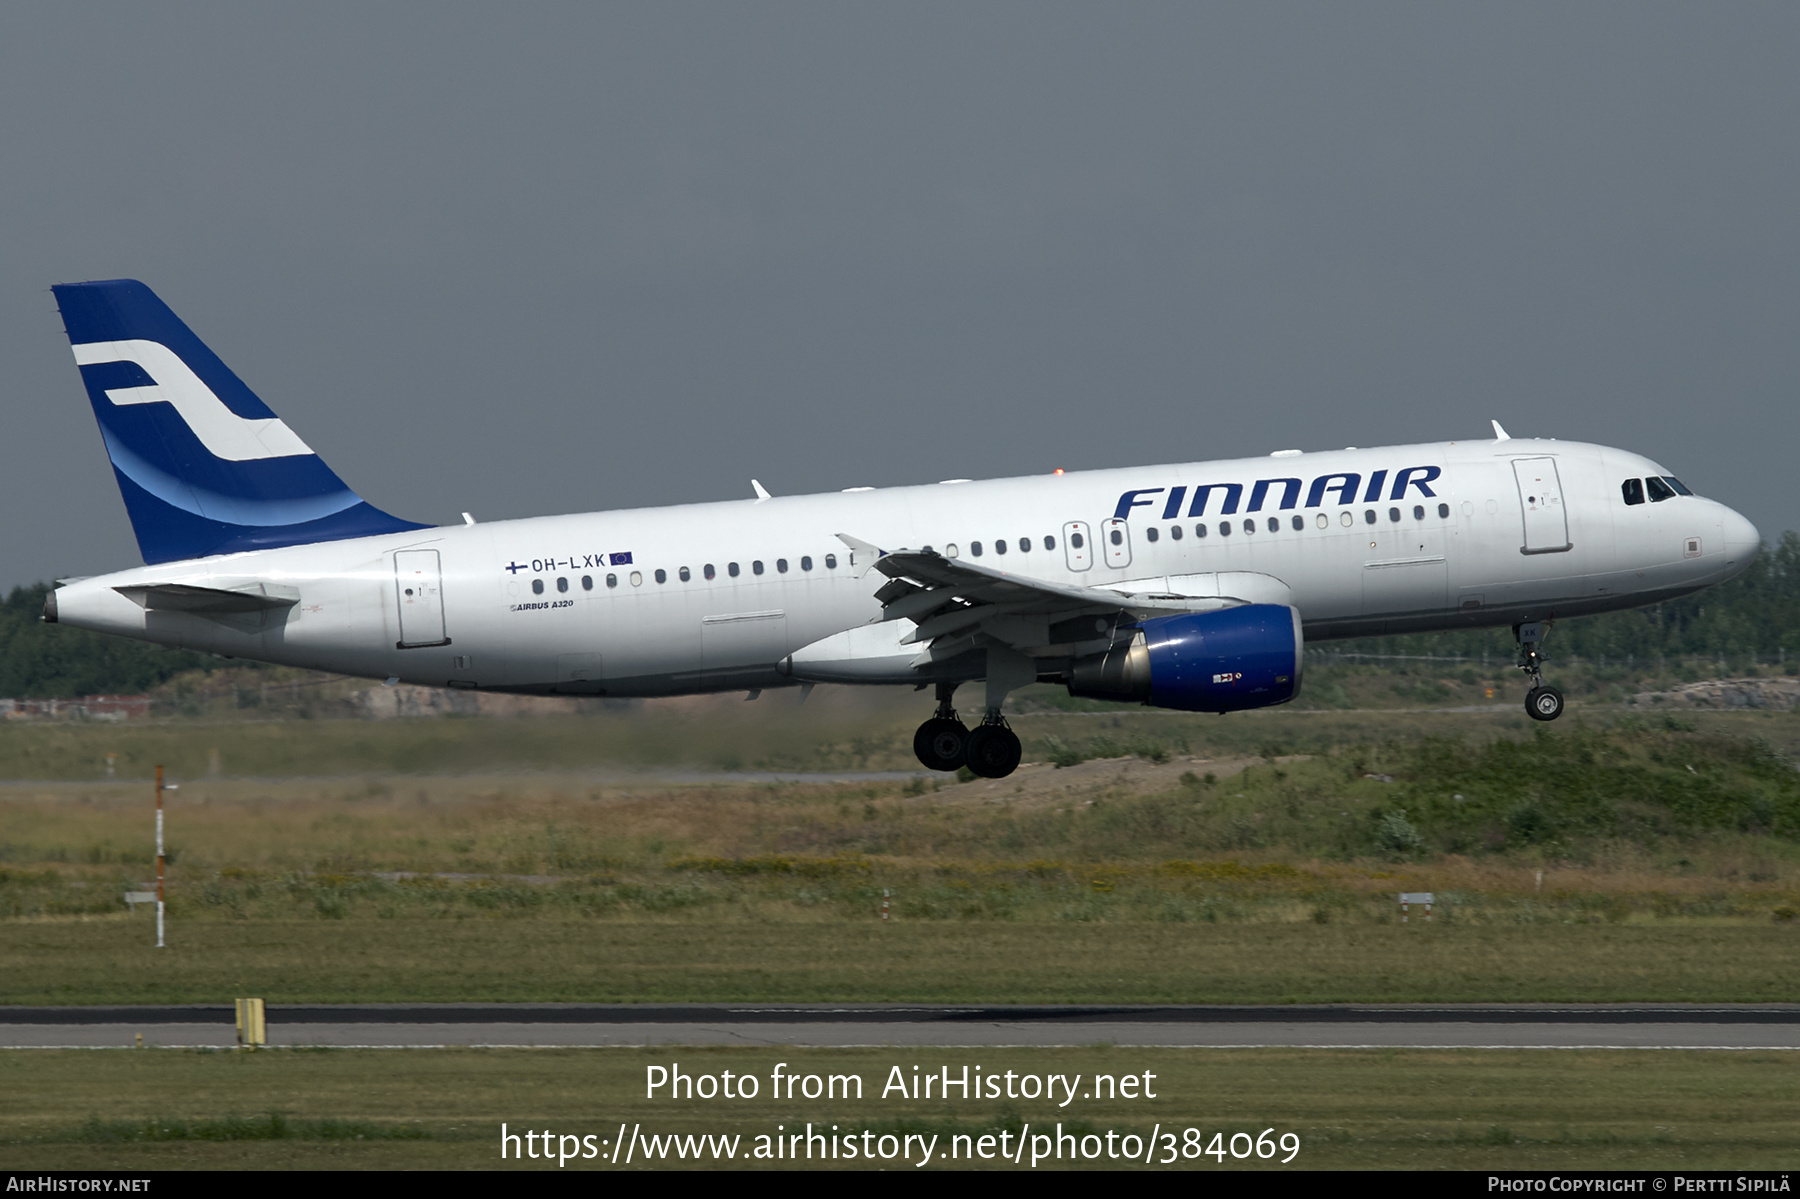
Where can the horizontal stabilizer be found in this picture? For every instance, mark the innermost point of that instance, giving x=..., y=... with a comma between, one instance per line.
x=210, y=601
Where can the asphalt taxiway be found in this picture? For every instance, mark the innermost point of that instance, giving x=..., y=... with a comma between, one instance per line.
x=1333, y=1026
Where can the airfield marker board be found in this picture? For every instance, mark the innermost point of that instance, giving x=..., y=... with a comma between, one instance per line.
x=1411, y=897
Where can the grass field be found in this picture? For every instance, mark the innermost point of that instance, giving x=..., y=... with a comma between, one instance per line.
x=561, y=958
x=435, y=1109
x=837, y=729
x=1636, y=860
x=1141, y=857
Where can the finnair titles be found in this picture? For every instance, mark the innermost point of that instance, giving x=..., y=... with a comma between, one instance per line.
x=1188, y=586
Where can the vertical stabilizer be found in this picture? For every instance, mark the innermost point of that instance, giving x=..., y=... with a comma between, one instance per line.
x=205, y=467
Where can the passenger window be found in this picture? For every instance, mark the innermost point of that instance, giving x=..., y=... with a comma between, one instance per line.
x=709, y=572
x=662, y=576
x=587, y=582
x=1369, y=516
x=1075, y=539
x=1394, y=515
x=1324, y=521
x=781, y=566
x=1677, y=484
x=612, y=580
x=806, y=563
x=537, y=586
x=1249, y=526
x=686, y=574
x=1299, y=523
x=731, y=568
x=1418, y=511
x=1659, y=490
x=1118, y=537
x=830, y=561
x=562, y=584
x=637, y=578
x=1224, y=528
x=1200, y=531
x=1443, y=511
x=1274, y=524
x=1346, y=519
x=1000, y=545
x=1049, y=544
x=975, y=549
x=756, y=567
x=1150, y=534
x=1174, y=533
x=1024, y=545
x=950, y=551
x=1634, y=491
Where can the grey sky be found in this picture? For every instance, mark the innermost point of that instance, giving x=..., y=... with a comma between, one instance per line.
x=523, y=260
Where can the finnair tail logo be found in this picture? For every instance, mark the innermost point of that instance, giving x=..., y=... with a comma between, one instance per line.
x=223, y=432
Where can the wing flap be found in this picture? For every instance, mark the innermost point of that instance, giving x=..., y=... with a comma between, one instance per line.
x=957, y=605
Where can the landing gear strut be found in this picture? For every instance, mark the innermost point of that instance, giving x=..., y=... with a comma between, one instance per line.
x=990, y=750
x=1542, y=702
x=941, y=741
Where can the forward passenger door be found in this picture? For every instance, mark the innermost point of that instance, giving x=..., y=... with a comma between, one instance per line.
x=1540, y=499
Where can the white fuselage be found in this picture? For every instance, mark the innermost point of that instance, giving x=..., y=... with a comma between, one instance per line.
x=539, y=605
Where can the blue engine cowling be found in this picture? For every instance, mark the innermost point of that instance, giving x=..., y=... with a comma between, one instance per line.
x=1224, y=661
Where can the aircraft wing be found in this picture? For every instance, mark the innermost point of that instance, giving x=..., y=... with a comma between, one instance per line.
x=952, y=601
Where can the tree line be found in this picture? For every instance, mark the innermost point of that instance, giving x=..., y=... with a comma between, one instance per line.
x=43, y=661
x=1754, y=617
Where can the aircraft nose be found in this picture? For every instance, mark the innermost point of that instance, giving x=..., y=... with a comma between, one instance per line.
x=1742, y=541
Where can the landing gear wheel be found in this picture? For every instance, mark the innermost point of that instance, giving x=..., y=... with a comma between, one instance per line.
x=993, y=751
x=1544, y=703
x=940, y=742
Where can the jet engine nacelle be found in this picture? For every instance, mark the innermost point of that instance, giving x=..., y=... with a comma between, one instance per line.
x=1224, y=661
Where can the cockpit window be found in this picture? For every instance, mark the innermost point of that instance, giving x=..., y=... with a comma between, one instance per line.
x=1634, y=491
x=1677, y=484
x=1659, y=490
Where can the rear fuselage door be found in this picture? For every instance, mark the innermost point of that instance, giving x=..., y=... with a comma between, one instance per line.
x=1541, y=499
x=1116, y=539
x=1078, y=545
x=419, y=584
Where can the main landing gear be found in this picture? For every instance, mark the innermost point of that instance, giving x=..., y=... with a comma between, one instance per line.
x=941, y=742
x=1542, y=702
x=990, y=749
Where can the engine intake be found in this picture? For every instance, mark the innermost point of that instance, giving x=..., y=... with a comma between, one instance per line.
x=1224, y=661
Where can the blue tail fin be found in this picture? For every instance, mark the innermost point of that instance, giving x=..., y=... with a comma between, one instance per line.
x=204, y=466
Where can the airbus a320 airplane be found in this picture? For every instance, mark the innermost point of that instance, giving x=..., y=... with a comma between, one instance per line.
x=1190, y=586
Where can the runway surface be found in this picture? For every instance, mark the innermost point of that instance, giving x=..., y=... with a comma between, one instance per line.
x=1523, y=1026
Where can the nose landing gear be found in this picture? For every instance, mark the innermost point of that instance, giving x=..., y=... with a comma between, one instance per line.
x=1542, y=702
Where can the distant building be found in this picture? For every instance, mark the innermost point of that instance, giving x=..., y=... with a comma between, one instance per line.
x=87, y=707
